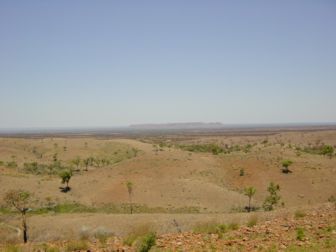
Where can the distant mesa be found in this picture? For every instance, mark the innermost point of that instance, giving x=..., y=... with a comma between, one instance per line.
x=188, y=125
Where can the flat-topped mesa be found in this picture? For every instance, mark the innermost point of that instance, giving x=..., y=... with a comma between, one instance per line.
x=187, y=125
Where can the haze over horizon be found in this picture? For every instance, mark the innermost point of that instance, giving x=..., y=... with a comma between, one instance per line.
x=102, y=64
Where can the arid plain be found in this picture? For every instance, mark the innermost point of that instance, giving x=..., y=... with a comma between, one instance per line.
x=179, y=183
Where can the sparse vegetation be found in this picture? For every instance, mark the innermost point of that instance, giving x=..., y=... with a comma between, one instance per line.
x=318, y=149
x=193, y=176
x=76, y=246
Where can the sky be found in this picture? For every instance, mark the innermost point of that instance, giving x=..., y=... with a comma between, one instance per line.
x=112, y=63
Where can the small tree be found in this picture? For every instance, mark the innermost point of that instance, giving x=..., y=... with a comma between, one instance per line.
x=86, y=163
x=285, y=165
x=66, y=176
x=76, y=162
x=249, y=192
x=273, y=199
x=129, y=185
x=19, y=200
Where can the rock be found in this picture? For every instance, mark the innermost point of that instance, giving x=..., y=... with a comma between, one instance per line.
x=282, y=246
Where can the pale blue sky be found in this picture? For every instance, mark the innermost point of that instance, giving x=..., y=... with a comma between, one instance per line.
x=111, y=63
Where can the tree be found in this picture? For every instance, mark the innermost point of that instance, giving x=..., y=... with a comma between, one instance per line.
x=19, y=200
x=249, y=192
x=285, y=165
x=86, y=163
x=129, y=186
x=66, y=176
x=273, y=199
x=76, y=162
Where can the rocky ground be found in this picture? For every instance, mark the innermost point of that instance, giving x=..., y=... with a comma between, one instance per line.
x=305, y=230
x=314, y=230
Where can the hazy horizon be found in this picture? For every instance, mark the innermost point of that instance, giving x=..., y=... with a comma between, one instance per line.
x=84, y=64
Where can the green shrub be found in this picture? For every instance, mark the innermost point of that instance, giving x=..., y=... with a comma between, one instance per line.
x=300, y=235
x=285, y=165
x=273, y=199
x=327, y=150
x=146, y=242
x=241, y=172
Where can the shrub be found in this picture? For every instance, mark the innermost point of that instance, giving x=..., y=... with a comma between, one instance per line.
x=137, y=232
x=327, y=150
x=210, y=228
x=252, y=221
x=285, y=165
x=300, y=235
x=332, y=199
x=241, y=172
x=102, y=235
x=273, y=199
x=146, y=242
x=46, y=248
x=11, y=164
x=233, y=226
x=299, y=214
x=84, y=233
x=76, y=245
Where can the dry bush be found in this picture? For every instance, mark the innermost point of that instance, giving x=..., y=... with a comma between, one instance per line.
x=76, y=246
x=253, y=220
